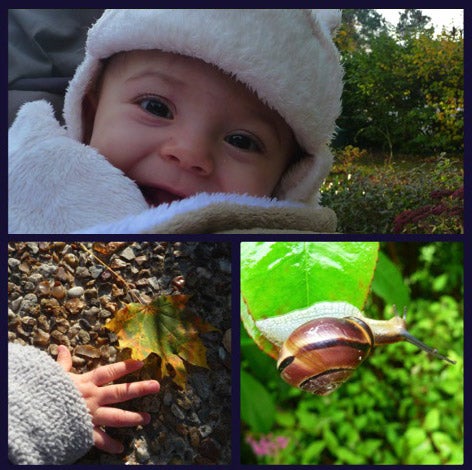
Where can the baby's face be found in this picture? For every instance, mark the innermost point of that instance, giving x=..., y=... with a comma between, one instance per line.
x=178, y=126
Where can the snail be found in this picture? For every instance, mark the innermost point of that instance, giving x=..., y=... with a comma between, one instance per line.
x=322, y=345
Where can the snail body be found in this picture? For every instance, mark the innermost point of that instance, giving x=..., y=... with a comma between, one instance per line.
x=321, y=346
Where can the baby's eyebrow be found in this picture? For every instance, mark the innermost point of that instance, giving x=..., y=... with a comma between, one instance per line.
x=266, y=120
x=259, y=116
x=155, y=74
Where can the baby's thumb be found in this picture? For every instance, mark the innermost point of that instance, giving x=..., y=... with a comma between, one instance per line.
x=64, y=358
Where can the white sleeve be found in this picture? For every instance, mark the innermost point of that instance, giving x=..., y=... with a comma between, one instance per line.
x=48, y=420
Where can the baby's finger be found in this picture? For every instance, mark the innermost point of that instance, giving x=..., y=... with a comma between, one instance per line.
x=124, y=392
x=106, y=374
x=118, y=418
x=64, y=358
x=102, y=441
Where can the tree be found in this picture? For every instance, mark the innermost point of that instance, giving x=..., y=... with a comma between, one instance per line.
x=412, y=22
x=402, y=95
x=358, y=27
x=438, y=65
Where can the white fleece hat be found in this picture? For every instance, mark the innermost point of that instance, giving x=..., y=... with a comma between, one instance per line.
x=287, y=57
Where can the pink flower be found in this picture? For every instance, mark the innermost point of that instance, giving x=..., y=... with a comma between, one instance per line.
x=267, y=445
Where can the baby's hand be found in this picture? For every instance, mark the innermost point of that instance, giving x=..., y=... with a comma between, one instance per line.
x=90, y=385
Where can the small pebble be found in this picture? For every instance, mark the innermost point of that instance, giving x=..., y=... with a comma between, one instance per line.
x=74, y=305
x=41, y=338
x=87, y=351
x=142, y=452
x=58, y=291
x=78, y=361
x=204, y=272
x=76, y=291
x=15, y=304
x=128, y=254
x=71, y=260
x=205, y=430
x=177, y=412
x=118, y=263
x=13, y=262
x=62, y=295
x=31, y=298
x=95, y=271
x=83, y=337
x=82, y=272
x=140, y=260
x=47, y=269
x=33, y=246
x=225, y=266
x=154, y=283
x=35, y=278
x=167, y=398
x=227, y=340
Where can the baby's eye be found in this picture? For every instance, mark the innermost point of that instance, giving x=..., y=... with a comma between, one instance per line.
x=156, y=107
x=244, y=142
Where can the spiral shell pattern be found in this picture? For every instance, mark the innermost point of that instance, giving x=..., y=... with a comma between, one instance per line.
x=322, y=354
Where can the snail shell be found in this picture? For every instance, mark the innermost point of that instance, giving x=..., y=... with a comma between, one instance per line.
x=322, y=354
x=278, y=329
x=321, y=346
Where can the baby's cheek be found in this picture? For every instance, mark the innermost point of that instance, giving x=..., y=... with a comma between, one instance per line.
x=260, y=183
x=118, y=151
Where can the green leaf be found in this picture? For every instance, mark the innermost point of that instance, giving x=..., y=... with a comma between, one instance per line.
x=348, y=457
x=307, y=421
x=278, y=277
x=331, y=441
x=442, y=442
x=311, y=454
x=369, y=447
x=257, y=405
x=285, y=419
x=388, y=284
x=415, y=437
x=432, y=420
x=449, y=387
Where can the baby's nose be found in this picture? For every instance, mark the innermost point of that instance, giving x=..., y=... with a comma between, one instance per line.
x=191, y=155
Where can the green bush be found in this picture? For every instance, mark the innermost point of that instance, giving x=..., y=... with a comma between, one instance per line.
x=426, y=198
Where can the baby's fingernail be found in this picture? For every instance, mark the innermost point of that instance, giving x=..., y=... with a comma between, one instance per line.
x=121, y=449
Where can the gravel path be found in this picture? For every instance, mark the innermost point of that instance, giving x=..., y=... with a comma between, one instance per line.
x=60, y=294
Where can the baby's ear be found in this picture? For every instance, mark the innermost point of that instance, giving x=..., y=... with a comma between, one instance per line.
x=89, y=109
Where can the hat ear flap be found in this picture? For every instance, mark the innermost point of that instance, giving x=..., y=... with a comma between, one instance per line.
x=304, y=176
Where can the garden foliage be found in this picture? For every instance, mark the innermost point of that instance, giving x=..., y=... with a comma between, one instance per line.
x=401, y=406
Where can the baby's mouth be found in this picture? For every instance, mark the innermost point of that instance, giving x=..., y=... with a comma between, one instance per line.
x=156, y=196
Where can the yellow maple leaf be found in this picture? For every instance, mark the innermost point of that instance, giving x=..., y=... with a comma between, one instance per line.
x=163, y=327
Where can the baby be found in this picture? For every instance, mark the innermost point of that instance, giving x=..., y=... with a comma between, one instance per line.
x=185, y=121
x=182, y=127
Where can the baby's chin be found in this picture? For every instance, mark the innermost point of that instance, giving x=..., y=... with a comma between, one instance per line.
x=157, y=196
